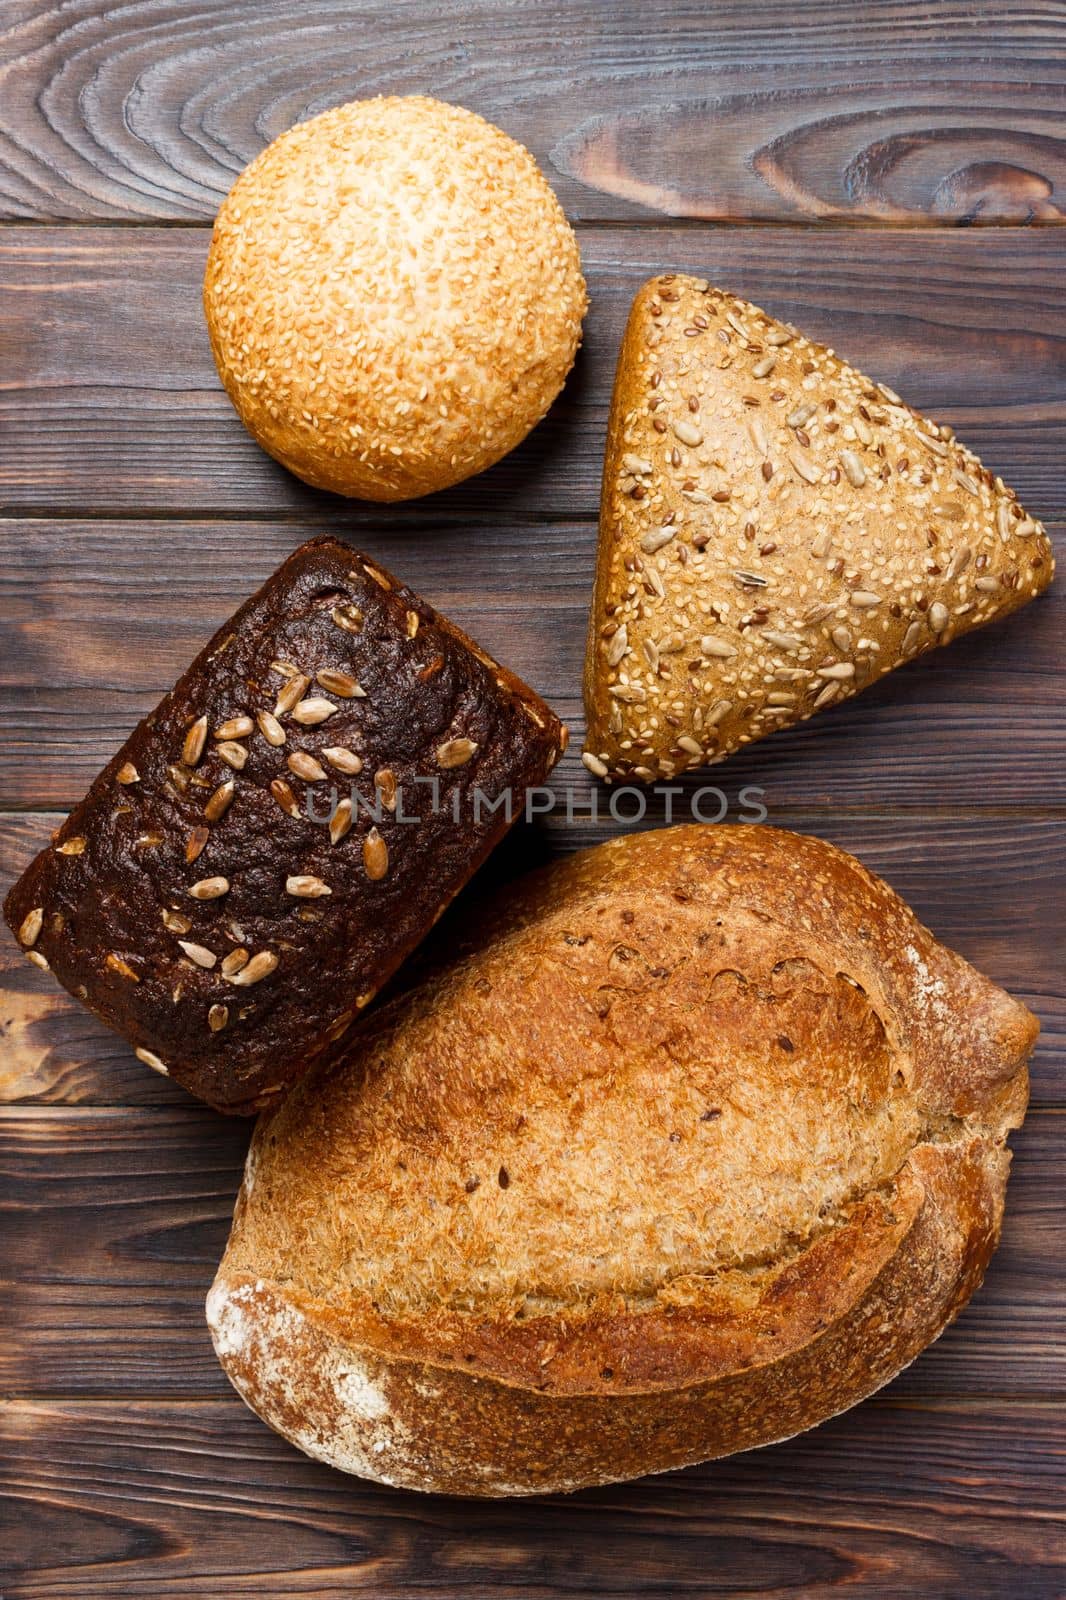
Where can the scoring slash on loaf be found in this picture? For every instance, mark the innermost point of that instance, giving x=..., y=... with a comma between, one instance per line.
x=760, y=1165
x=776, y=533
x=394, y=297
x=203, y=900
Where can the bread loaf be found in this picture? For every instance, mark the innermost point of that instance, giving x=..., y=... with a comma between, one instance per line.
x=776, y=532
x=202, y=900
x=699, y=1141
x=394, y=296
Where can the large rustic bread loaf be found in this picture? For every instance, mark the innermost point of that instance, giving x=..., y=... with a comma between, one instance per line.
x=776, y=532
x=202, y=900
x=700, y=1141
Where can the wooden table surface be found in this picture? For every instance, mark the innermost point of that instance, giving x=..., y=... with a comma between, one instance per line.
x=892, y=177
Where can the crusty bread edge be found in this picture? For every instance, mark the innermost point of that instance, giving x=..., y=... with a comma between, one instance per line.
x=432, y=1426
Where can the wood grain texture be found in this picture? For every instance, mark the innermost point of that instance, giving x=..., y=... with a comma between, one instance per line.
x=155, y=1502
x=131, y=1209
x=868, y=113
x=103, y=616
x=992, y=888
x=110, y=400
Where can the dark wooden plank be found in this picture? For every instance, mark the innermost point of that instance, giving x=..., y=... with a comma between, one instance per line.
x=992, y=888
x=111, y=401
x=115, y=1221
x=104, y=616
x=153, y=1501
x=730, y=111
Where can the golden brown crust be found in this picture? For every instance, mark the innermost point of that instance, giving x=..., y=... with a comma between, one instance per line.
x=814, y=1079
x=394, y=296
x=776, y=533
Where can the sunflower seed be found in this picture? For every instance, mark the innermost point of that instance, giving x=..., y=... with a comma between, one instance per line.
x=854, y=470
x=73, y=846
x=779, y=336
x=841, y=637
x=233, y=754
x=636, y=465
x=306, y=887
x=617, y=645
x=651, y=653
x=195, y=843
x=938, y=617
x=710, y=646
x=757, y=430
x=456, y=752
x=284, y=796
x=653, y=582
x=270, y=728
x=344, y=760
x=948, y=511
x=838, y=672
x=340, y=822
x=911, y=637
x=823, y=698
x=780, y=698
x=656, y=540
x=217, y=1018
x=128, y=773
x=220, y=801
x=987, y=585
x=174, y=921
x=629, y=694
x=305, y=766
x=41, y=961
x=30, y=927
x=865, y=599
x=375, y=855
x=378, y=577
x=1026, y=528
x=959, y=561
x=782, y=641
x=820, y=543
x=150, y=1059
x=311, y=712
x=862, y=430
x=687, y=432
x=285, y=669
x=260, y=966
x=209, y=888
x=720, y=709
x=123, y=968
x=806, y=469
x=751, y=580
x=198, y=953
x=594, y=765
x=195, y=739
x=964, y=481
x=235, y=728
x=234, y=962
x=763, y=368
x=340, y=683
x=350, y=618
x=817, y=613
x=292, y=693
x=412, y=621
x=801, y=414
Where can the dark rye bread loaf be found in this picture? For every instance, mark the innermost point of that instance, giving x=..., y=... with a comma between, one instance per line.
x=191, y=902
x=700, y=1141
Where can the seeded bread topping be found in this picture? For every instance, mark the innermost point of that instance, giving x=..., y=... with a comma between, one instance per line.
x=190, y=899
x=394, y=296
x=777, y=532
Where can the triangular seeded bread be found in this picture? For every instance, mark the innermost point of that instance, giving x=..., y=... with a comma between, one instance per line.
x=776, y=532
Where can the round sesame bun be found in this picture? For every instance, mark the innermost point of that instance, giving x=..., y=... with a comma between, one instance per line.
x=394, y=297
